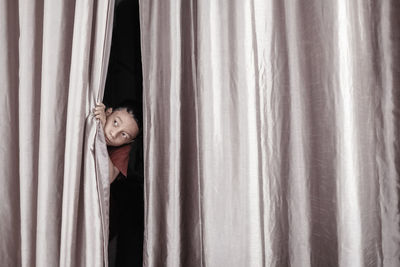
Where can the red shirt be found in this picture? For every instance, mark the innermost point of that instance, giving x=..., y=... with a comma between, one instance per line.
x=120, y=157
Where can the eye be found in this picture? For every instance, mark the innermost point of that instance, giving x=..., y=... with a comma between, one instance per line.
x=115, y=123
x=124, y=135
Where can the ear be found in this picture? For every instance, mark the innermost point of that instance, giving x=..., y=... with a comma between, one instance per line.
x=108, y=111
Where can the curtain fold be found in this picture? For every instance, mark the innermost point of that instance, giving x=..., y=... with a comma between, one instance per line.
x=54, y=186
x=271, y=133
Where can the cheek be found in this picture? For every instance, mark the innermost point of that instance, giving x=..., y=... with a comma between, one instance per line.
x=119, y=140
x=107, y=127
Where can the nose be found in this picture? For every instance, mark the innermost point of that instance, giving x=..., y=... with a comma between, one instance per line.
x=112, y=134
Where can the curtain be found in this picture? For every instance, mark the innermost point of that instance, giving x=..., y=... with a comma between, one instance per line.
x=54, y=185
x=271, y=132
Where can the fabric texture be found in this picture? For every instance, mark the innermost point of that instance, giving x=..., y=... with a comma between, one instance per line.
x=271, y=132
x=54, y=184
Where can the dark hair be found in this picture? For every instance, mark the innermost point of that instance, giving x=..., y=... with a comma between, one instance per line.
x=133, y=108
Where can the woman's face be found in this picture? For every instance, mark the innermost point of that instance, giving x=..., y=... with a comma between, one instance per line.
x=121, y=128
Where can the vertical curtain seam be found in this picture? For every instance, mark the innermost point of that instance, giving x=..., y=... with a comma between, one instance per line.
x=19, y=139
x=101, y=208
x=40, y=129
x=105, y=56
x=196, y=92
x=65, y=187
x=259, y=135
x=145, y=152
x=377, y=137
x=100, y=94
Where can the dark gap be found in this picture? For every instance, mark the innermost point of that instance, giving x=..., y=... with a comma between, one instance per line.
x=124, y=82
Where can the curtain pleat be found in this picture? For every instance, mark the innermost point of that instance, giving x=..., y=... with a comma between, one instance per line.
x=9, y=189
x=54, y=186
x=271, y=133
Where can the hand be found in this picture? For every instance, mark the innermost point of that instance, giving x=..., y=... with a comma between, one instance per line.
x=100, y=113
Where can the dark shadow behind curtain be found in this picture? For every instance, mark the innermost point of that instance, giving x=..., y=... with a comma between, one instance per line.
x=124, y=82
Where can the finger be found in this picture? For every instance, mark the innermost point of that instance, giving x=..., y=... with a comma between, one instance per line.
x=99, y=109
x=99, y=112
x=98, y=115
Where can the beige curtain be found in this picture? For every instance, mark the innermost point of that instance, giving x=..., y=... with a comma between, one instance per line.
x=53, y=192
x=271, y=132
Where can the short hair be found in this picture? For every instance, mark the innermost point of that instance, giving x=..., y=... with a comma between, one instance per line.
x=133, y=108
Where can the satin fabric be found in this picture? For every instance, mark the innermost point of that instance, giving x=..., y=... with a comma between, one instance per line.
x=271, y=132
x=54, y=185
